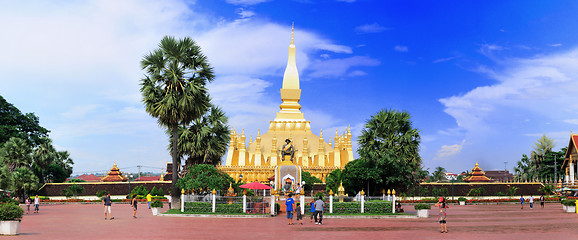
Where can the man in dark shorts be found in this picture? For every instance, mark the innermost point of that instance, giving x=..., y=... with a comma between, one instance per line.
x=134, y=204
x=289, y=204
x=107, y=203
x=542, y=201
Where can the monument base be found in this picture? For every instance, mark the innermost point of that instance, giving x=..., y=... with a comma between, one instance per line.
x=287, y=174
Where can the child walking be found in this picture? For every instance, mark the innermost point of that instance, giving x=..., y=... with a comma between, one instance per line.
x=134, y=204
x=298, y=212
x=443, y=206
x=312, y=210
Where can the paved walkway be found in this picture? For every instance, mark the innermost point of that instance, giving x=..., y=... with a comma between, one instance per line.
x=86, y=221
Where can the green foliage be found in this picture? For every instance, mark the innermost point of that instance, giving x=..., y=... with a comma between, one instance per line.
x=198, y=207
x=24, y=181
x=377, y=207
x=206, y=176
x=309, y=180
x=439, y=174
x=157, y=192
x=462, y=199
x=421, y=206
x=569, y=202
x=101, y=193
x=75, y=180
x=14, y=123
x=72, y=191
x=10, y=212
x=512, y=191
x=319, y=194
x=389, y=155
x=139, y=190
x=6, y=199
x=333, y=180
x=156, y=203
x=500, y=194
x=476, y=192
x=540, y=164
x=346, y=207
x=229, y=208
x=547, y=189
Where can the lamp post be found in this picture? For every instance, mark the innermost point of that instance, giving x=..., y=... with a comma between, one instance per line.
x=505, y=167
x=128, y=176
x=555, y=170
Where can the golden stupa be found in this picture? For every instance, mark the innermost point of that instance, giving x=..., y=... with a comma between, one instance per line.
x=257, y=161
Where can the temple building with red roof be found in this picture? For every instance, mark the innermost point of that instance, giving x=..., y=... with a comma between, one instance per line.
x=115, y=175
x=570, y=159
x=477, y=175
x=89, y=178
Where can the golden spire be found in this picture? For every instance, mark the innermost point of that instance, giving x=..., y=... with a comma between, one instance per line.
x=292, y=30
x=290, y=91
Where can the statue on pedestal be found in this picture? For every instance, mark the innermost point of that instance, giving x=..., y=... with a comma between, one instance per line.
x=231, y=193
x=288, y=150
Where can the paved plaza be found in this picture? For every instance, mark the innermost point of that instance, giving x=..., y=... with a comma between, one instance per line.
x=86, y=221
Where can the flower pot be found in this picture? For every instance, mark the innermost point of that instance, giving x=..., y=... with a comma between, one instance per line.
x=156, y=210
x=564, y=207
x=423, y=213
x=462, y=203
x=9, y=227
x=571, y=209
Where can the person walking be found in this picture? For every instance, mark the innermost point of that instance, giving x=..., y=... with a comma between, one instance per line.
x=170, y=199
x=298, y=212
x=443, y=206
x=319, y=204
x=134, y=204
x=312, y=204
x=107, y=203
x=289, y=207
x=542, y=201
x=36, y=204
x=531, y=201
x=149, y=199
x=522, y=201
x=28, y=205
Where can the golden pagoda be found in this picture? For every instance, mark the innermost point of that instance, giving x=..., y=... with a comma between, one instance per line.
x=477, y=175
x=257, y=161
x=115, y=175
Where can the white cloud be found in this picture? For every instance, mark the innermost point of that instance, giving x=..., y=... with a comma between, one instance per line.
x=450, y=150
x=244, y=13
x=347, y=1
x=339, y=67
x=370, y=28
x=556, y=45
x=400, y=48
x=439, y=60
x=572, y=121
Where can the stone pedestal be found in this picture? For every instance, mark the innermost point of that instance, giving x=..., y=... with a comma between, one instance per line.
x=287, y=174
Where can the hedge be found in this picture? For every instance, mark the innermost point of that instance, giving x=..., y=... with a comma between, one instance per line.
x=205, y=207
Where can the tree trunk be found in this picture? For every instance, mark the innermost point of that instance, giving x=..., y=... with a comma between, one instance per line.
x=175, y=192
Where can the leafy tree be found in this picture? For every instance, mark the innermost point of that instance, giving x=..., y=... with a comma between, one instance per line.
x=439, y=174
x=389, y=154
x=15, y=124
x=174, y=88
x=309, y=180
x=547, y=189
x=16, y=153
x=139, y=190
x=205, y=140
x=333, y=180
x=206, y=177
x=512, y=191
x=24, y=182
x=72, y=191
x=525, y=169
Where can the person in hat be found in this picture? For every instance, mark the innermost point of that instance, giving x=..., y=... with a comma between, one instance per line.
x=443, y=206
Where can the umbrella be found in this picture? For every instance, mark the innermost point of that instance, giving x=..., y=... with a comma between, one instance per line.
x=566, y=189
x=255, y=185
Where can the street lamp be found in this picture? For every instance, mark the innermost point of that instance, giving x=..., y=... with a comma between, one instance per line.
x=505, y=167
x=555, y=171
x=128, y=176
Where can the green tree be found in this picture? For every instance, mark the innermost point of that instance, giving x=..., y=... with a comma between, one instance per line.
x=72, y=191
x=205, y=140
x=525, y=169
x=389, y=149
x=16, y=153
x=15, y=124
x=206, y=177
x=309, y=180
x=333, y=180
x=439, y=174
x=24, y=182
x=174, y=88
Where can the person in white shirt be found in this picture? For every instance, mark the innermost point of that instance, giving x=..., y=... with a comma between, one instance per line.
x=531, y=201
x=36, y=204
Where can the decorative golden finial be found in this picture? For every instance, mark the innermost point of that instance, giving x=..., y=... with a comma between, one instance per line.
x=183, y=191
x=388, y=192
x=258, y=132
x=362, y=192
x=393, y=192
x=292, y=30
x=330, y=192
x=214, y=191
x=321, y=134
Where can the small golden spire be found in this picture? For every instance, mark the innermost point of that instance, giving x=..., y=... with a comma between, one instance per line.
x=321, y=134
x=292, y=30
x=258, y=132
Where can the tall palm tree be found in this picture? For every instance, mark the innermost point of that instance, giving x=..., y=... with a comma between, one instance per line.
x=16, y=153
x=174, y=88
x=205, y=140
x=43, y=156
x=438, y=174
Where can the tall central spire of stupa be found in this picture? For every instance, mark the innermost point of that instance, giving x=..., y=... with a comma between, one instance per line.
x=290, y=92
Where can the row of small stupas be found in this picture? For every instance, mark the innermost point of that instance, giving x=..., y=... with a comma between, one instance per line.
x=115, y=175
x=313, y=153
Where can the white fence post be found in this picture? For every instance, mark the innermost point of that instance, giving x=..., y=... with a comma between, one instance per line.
x=330, y=203
x=362, y=203
x=302, y=200
x=393, y=203
x=244, y=203
x=214, y=201
x=272, y=205
x=182, y=201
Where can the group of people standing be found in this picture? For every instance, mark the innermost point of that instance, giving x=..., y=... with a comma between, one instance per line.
x=28, y=201
x=107, y=203
x=531, y=201
x=316, y=210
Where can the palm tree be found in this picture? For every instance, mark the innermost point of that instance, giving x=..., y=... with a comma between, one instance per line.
x=205, y=140
x=43, y=156
x=174, y=88
x=16, y=153
x=439, y=174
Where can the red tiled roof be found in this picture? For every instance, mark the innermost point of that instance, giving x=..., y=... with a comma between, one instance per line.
x=148, y=178
x=115, y=175
x=477, y=175
x=89, y=178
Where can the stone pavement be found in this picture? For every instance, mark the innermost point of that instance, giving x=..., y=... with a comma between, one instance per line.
x=86, y=221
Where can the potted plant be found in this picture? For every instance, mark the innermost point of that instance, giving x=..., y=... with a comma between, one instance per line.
x=462, y=200
x=422, y=210
x=156, y=206
x=10, y=217
x=570, y=205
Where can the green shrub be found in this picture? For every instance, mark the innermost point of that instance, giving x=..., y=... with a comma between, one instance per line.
x=198, y=207
x=346, y=207
x=421, y=206
x=157, y=204
x=139, y=190
x=319, y=194
x=229, y=208
x=377, y=207
x=8, y=200
x=462, y=199
x=157, y=192
x=101, y=193
x=569, y=202
x=72, y=190
x=10, y=212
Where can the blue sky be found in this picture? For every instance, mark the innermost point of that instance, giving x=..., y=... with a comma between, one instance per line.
x=482, y=79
